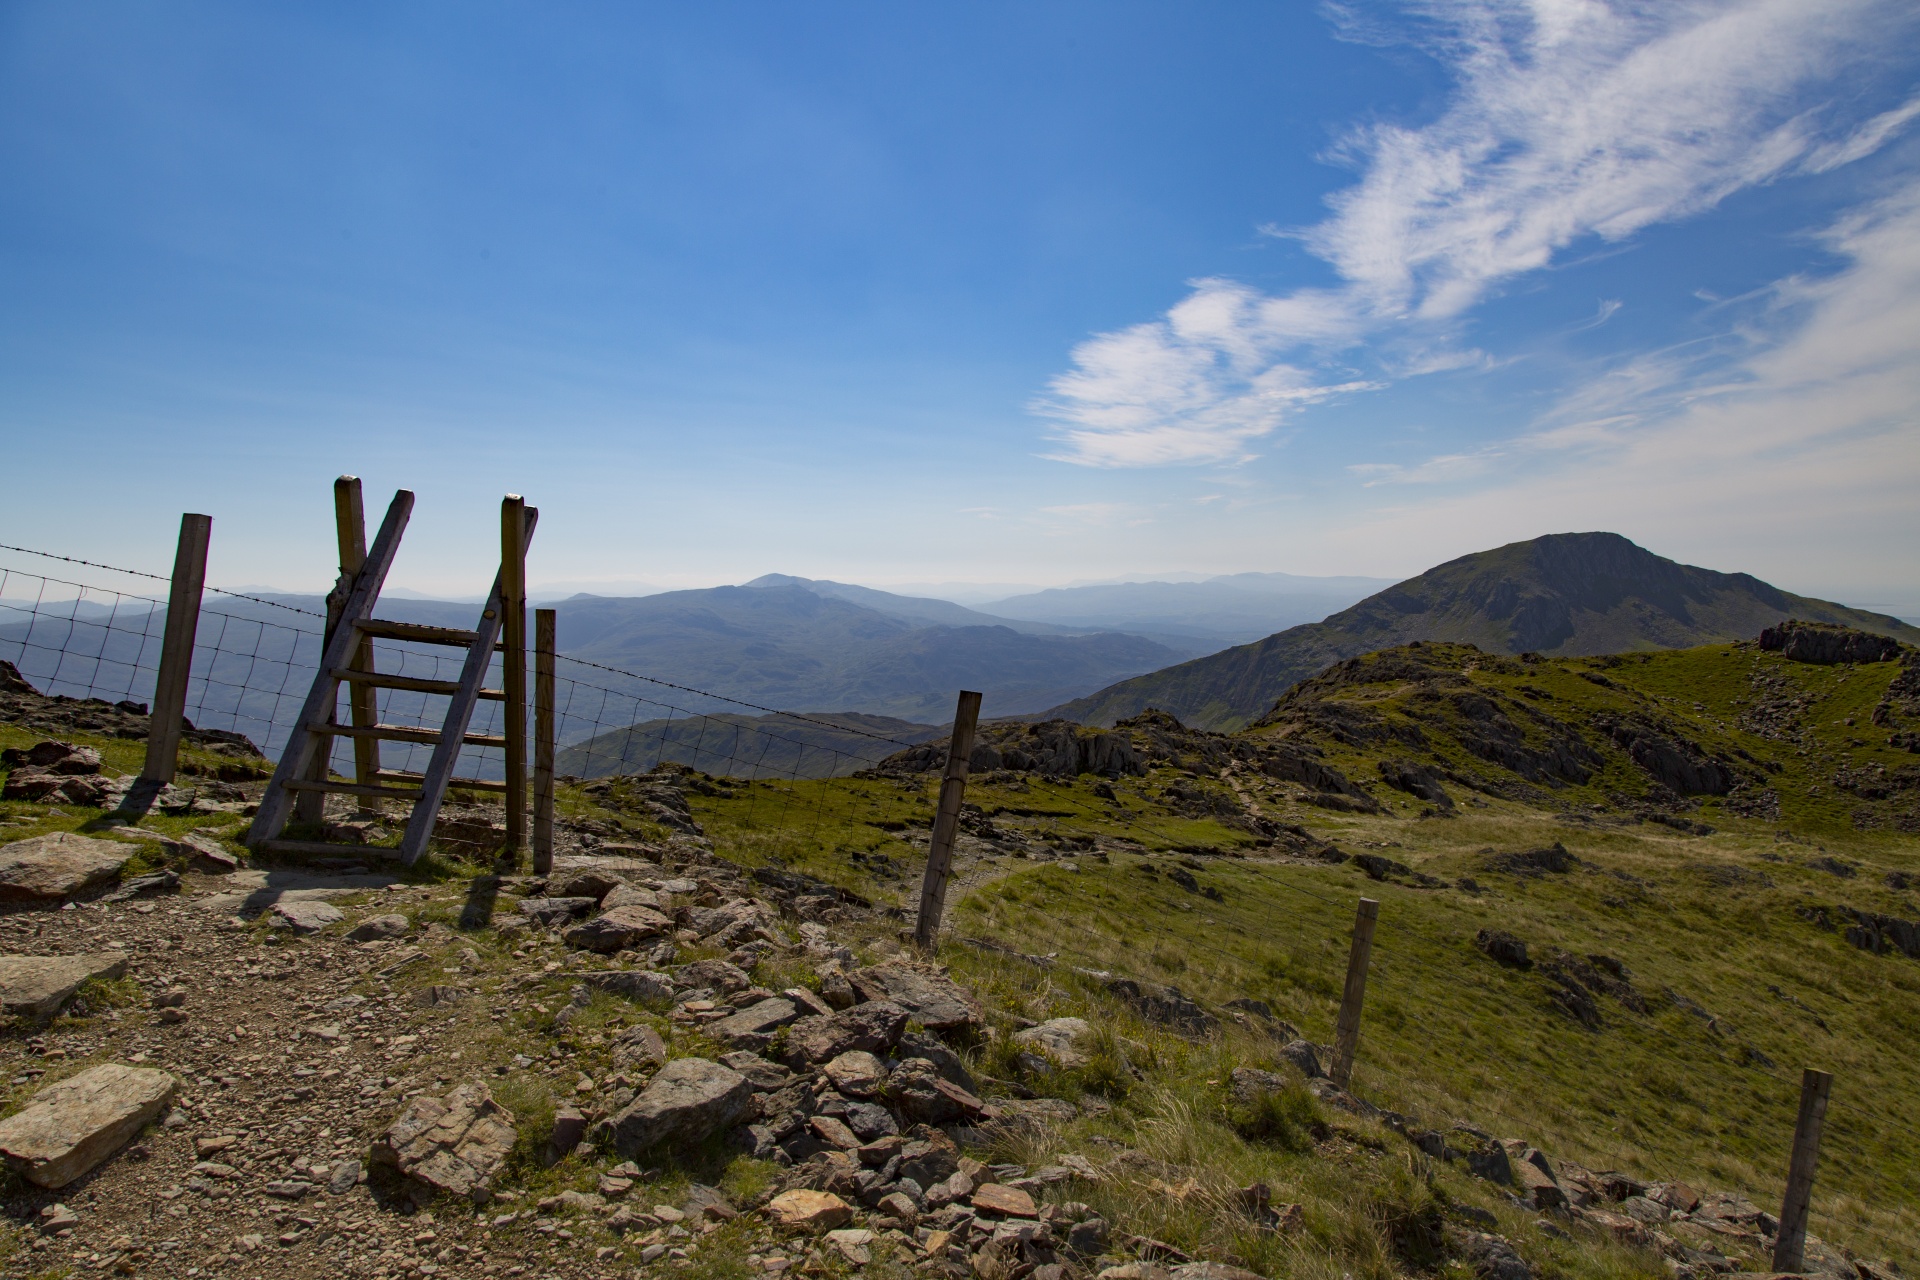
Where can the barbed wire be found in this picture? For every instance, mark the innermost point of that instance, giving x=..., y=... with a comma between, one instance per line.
x=161, y=577
x=753, y=706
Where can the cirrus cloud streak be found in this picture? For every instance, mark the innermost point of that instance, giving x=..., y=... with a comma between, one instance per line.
x=1571, y=120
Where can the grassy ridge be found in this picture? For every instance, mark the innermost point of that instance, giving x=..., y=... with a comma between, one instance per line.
x=1739, y=989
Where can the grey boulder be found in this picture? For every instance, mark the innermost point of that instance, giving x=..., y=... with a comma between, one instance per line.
x=690, y=1099
x=1061, y=1039
x=937, y=1003
x=379, y=928
x=617, y=930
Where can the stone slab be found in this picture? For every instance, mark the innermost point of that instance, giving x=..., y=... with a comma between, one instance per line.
x=38, y=985
x=618, y=929
x=254, y=891
x=809, y=1210
x=49, y=868
x=1061, y=1039
x=936, y=1002
x=1009, y=1202
x=71, y=1126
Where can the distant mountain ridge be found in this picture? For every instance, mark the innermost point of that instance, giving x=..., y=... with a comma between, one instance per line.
x=792, y=647
x=922, y=609
x=1223, y=609
x=787, y=644
x=823, y=745
x=1564, y=594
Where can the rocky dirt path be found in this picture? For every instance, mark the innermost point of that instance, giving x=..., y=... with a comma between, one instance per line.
x=280, y=1065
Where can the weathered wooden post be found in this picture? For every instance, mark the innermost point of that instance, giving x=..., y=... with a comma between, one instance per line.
x=1346, y=1030
x=176, y=653
x=1790, y=1246
x=543, y=731
x=946, y=819
x=513, y=663
x=350, y=536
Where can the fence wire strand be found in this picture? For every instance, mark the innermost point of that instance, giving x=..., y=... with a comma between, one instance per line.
x=251, y=672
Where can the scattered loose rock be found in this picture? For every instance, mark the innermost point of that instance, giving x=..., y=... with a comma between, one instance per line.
x=379, y=928
x=303, y=915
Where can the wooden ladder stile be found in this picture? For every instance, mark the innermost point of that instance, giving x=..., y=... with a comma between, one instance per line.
x=433, y=785
x=301, y=780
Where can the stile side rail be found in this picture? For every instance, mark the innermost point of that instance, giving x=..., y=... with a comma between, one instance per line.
x=322, y=700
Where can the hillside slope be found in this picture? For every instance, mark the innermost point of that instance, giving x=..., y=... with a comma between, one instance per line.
x=1623, y=900
x=1704, y=859
x=1570, y=593
x=824, y=745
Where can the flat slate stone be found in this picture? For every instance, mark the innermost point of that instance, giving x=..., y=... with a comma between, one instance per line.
x=809, y=1210
x=58, y=866
x=380, y=928
x=1009, y=1202
x=618, y=929
x=73, y=1125
x=306, y=915
x=628, y=895
x=41, y=984
x=757, y=1019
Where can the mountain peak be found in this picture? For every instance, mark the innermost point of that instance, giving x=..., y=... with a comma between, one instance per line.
x=1564, y=593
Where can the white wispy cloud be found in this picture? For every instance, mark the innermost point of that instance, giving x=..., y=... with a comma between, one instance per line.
x=1571, y=120
x=1806, y=444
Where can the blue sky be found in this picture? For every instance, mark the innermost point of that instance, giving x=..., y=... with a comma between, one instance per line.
x=1018, y=293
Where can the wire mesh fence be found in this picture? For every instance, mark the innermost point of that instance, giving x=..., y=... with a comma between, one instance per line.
x=97, y=636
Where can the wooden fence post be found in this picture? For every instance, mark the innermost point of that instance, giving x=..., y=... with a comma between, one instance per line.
x=513, y=663
x=946, y=820
x=543, y=730
x=1346, y=1030
x=176, y=650
x=1790, y=1246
